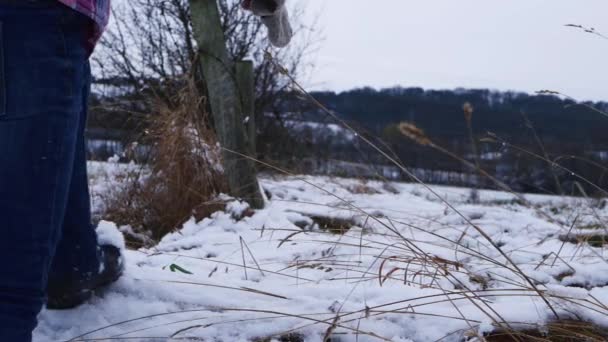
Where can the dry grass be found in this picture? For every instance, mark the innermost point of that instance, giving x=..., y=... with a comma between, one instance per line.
x=435, y=269
x=183, y=175
x=176, y=171
x=293, y=337
x=333, y=225
x=594, y=240
x=562, y=331
x=362, y=188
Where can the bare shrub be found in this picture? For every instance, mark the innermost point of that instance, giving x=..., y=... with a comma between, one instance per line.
x=183, y=175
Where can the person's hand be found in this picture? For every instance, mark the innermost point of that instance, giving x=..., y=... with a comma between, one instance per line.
x=273, y=14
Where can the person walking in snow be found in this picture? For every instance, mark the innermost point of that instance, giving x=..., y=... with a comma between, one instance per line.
x=48, y=247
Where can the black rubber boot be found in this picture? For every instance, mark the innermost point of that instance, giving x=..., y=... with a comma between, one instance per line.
x=70, y=295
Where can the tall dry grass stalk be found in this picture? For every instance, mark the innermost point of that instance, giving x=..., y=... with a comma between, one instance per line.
x=417, y=135
x=423, y=139
x=468, y=110
x=576, y=102
x=539, y=142
x=590, y=30
x=410, y=253
x=183, y=175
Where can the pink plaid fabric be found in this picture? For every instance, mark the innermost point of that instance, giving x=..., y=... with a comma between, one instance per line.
x=98, y=10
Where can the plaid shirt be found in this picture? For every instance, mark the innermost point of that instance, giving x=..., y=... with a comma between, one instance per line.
x=98, y=10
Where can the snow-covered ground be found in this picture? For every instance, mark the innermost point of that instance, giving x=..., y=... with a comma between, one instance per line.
x=411, y=268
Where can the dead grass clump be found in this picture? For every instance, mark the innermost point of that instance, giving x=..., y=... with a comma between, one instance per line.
x=562, y=331
x=564, y=275
x=482, y=281
x=363, y=189
x=594, y=240
x=293, y=337
x=333, y=225
x=183, y=172
x=505, y=202
x=591, y=226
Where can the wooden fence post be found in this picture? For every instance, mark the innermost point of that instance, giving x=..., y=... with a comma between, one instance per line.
x=246, y=84
x=219, y=73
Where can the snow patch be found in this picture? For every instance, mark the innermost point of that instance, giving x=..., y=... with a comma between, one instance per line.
x=109, y=234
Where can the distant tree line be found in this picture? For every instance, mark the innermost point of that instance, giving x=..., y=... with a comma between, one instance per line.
x=439, y=113
x=534, y=128
x=531, y=130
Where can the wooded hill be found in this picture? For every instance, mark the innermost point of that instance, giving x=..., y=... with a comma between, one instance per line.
x=439, y=113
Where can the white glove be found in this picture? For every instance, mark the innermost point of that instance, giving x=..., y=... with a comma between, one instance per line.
x=275, y=17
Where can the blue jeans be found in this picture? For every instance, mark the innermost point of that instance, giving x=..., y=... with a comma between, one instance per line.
x=45, y=221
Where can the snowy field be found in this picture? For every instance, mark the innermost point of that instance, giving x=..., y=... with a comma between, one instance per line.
x=357, y=261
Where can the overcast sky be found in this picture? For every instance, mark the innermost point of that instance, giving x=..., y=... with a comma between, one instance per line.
x=499, y=44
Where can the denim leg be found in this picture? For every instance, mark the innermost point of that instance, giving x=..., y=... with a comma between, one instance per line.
x=76, y=258
x=43, y=71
